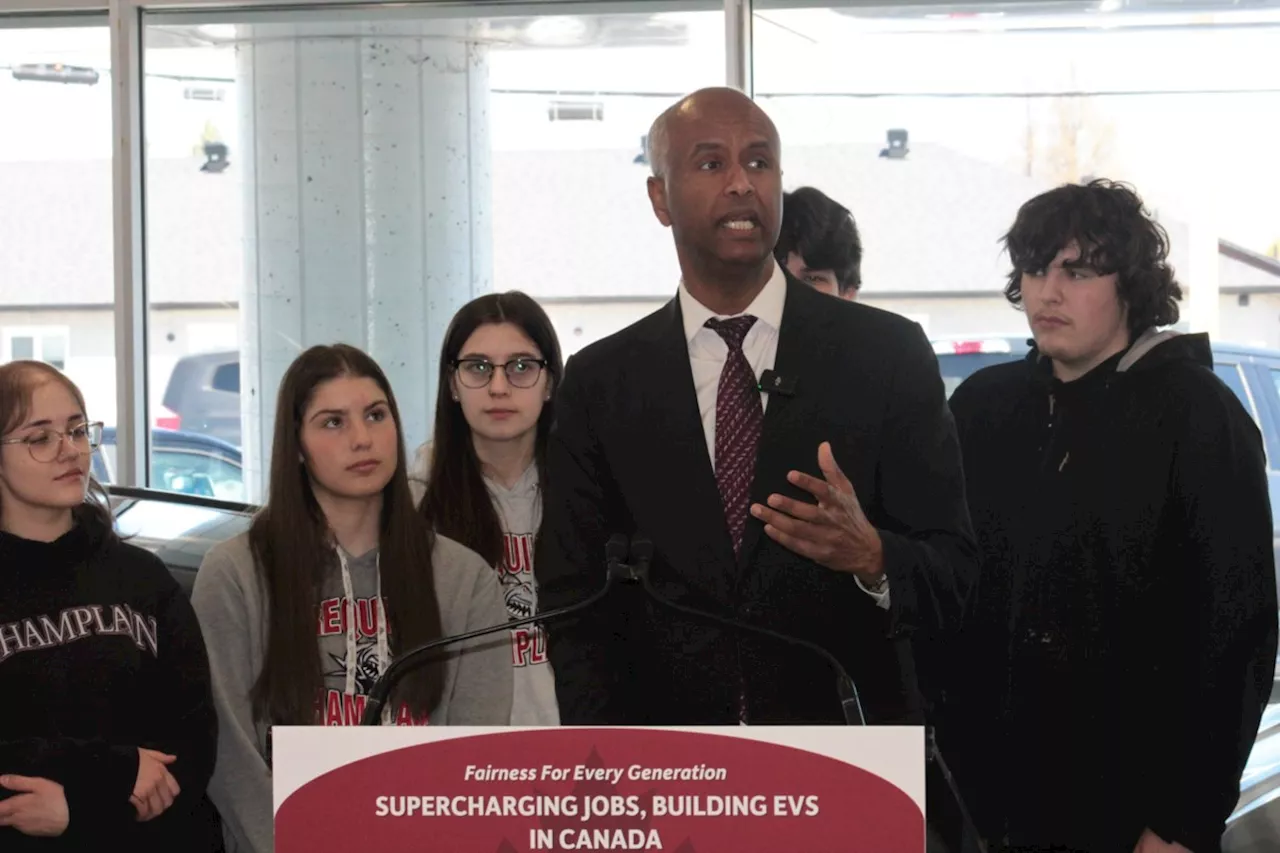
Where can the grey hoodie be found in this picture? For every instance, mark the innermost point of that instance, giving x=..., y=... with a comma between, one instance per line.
x=230, y=601
x=519, y=511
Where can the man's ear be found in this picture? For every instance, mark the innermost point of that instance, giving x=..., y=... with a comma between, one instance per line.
x=658, y=198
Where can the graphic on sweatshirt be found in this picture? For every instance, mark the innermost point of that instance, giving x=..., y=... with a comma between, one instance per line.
x=528, y=643
x=76, y=623
x=335, y=614
x=366, y=666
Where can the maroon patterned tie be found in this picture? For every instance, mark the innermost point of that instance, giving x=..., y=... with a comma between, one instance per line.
x=738, y=419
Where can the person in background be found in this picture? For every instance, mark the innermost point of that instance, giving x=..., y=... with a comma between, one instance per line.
x=335, y=577
x=818, y=243
x=1121, y=644
x=107, y=728
x=480, y=480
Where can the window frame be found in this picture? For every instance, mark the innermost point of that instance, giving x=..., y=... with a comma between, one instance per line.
x=124, y=20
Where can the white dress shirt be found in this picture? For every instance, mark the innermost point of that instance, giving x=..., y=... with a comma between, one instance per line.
x=708, y=353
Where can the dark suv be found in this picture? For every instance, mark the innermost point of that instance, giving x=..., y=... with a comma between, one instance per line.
x=203, y=395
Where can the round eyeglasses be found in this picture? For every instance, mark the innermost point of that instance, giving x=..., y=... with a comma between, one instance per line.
x=521, y=372
x=46, y=444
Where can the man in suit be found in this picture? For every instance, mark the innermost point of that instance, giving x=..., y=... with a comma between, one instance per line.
x=833, y=511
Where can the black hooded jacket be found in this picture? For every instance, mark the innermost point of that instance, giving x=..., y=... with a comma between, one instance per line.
x=1119, y=648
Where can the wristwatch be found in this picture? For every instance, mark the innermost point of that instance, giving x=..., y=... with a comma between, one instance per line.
x=879, y=586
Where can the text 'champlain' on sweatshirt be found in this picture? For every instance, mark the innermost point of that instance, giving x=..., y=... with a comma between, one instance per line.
x=101, y=654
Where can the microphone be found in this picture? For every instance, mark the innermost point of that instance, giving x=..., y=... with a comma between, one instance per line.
x=772, y=383
x=401, y=666
x=638, y=571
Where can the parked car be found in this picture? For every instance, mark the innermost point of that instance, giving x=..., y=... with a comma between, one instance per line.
x=961, y=357
x=1254, y=375
x=203, y=396
x=184, y=462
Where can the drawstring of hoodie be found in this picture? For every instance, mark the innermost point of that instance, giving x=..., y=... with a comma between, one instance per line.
x=384, y=646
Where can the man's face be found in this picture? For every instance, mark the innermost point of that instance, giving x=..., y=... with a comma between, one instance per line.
x=1076, y=314
x=821, y=280
x=721, y=187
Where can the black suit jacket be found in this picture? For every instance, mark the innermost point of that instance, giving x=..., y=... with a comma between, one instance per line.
x=629, y=455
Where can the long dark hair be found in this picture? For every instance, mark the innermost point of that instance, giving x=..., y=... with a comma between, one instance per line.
x=456, y=502
x=18, y=381
x=291, y=544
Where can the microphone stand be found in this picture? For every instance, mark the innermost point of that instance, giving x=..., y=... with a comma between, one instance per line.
x=850, y=704
x=615, y=553
x=934, y=755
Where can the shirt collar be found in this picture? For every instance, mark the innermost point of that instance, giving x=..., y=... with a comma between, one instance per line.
x=766, y=307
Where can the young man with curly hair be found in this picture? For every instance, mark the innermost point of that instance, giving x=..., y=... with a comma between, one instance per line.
x=1119, y=648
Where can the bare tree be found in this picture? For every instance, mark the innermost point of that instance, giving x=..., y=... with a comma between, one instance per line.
x=1071, y=141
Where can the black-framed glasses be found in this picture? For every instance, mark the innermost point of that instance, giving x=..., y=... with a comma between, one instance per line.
x=45, y=444
x=521, y=372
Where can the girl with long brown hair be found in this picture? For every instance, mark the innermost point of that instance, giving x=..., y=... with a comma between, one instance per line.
x=483, y=475
x=335, y=577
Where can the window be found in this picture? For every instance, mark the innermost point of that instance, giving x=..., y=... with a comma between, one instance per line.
x=1275, y=379
x=1230, y=374
x=934, y=122
x=47, y=344
x=56, y=282
x=53, y=349
x=226, y=377
x=345, y=186
x=193, y=472
x=22, y=348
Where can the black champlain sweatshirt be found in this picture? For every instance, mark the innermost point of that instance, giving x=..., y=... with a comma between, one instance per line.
x=100, y=653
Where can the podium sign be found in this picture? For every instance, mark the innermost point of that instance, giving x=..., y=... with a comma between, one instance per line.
x=772, y=789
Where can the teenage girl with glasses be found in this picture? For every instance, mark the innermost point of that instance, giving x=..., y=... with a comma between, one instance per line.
x=484, y=472
x=107, y=728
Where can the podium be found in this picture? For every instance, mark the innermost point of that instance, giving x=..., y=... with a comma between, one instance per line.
x=763, y=789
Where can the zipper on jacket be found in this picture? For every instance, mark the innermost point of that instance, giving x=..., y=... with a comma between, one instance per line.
x=1048, y=449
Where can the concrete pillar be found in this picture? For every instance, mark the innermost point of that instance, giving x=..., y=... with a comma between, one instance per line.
x=366, y=157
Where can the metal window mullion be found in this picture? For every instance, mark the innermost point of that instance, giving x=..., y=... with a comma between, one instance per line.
x=132, y=436
x=737, y=46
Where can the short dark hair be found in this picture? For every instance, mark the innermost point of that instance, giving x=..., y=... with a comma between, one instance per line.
x=1115, y=233
x=821, y=231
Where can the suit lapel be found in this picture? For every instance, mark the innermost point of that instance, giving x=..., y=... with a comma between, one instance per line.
x=796, y=349
x=687, y=465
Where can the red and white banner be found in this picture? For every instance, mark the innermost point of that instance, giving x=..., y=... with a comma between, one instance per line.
x=771, y=789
